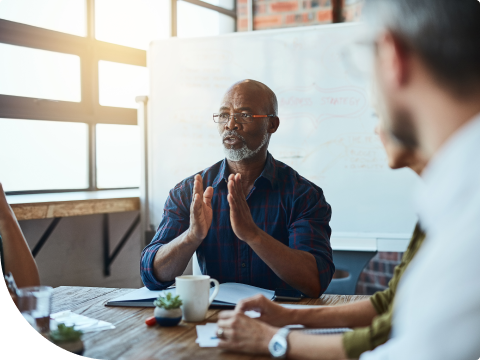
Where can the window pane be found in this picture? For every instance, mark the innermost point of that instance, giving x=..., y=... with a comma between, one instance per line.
x=43, y=155
x=194, y=21
x=118, y=156
x=132, y=23
x=39, y=73
x=119, y=84
x=227, y=4
x=59, y=15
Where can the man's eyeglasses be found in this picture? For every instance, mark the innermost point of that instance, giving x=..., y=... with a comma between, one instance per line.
x=239, y=118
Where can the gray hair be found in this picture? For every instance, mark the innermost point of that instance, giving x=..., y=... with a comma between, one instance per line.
x=444, y=33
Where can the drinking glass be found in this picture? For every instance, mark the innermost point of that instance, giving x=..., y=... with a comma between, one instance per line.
x=35, y=303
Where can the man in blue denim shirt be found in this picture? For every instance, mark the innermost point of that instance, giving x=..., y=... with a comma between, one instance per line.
x=250, y=218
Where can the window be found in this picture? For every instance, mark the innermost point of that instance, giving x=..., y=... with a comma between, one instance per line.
x=119, y=84
x=227, y=4
x=39, y=74
x=118, y=156
x=69, y=75
x=59, y=15
x=196, y=21
x=113, y=19
x=43, y=155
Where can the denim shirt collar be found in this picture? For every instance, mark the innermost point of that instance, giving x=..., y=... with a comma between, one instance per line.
x=268, y=173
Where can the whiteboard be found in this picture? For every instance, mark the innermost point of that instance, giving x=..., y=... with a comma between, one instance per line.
x=326, y=128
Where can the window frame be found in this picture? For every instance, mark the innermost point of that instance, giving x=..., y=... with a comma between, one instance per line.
x=90, y=51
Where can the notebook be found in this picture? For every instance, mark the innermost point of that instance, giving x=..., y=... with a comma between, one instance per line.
x=228, y=295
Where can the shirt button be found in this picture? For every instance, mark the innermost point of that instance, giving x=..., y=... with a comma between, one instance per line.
x=243, y=265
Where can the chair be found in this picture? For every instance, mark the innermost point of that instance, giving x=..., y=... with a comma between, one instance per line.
x=352, y=262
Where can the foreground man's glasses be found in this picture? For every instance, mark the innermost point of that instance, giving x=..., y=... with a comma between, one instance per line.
x=240, y=118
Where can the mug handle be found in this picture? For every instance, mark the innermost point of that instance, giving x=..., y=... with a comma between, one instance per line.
x=215, y=291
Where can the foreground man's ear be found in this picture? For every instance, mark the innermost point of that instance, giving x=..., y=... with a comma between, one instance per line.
x=393, y=61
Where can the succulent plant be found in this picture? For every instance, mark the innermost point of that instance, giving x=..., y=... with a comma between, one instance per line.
x=65, y=334
x=168, y=301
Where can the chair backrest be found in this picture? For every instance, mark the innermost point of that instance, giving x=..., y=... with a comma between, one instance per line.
x=352, y=262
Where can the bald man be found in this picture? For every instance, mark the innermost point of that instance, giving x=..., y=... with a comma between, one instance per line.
x=250, y=218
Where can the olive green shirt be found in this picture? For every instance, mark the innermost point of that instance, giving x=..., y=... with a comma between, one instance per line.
x=367, y=338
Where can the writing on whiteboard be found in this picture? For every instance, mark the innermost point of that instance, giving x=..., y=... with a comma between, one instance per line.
x=319, y=104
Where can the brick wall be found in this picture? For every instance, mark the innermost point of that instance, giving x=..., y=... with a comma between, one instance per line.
x=273, y=14
x=377, y=273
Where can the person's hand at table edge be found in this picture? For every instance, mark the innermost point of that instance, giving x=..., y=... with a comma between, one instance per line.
x=240, y=217
x=270, y=312
x=239, y=333
x=201, y=213
x=242, y=334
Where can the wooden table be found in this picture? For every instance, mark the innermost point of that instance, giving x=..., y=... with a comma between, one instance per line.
x=132, y=339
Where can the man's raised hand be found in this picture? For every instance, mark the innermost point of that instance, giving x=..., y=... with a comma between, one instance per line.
x=200, y=210
x=240, y=217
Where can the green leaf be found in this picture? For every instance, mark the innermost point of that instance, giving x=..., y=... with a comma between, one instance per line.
x=65, y=334
x=168, y=301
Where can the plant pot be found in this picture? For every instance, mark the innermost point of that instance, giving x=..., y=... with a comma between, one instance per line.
x=75, y=347
x=170, y=317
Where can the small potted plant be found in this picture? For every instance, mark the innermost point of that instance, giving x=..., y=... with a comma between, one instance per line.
x=167, y=310
x=68, y=339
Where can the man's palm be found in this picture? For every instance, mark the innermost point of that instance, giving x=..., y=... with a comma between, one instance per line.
x=203, y=217
x=201, y=213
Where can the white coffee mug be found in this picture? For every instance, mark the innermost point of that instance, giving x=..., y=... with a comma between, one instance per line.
x=194, y=292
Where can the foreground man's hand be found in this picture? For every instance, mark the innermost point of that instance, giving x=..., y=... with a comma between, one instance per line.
x=243, y=334
x=270, y=312
x=201, y=213
x=240, y=217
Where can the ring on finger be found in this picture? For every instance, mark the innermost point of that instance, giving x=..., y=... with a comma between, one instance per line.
x=220, y=333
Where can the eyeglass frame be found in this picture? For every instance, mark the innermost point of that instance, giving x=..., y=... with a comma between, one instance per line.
x=235, y=119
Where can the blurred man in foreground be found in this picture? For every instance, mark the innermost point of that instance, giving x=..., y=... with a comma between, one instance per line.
x=428, y=71
x=372, y=318
x=427, y=61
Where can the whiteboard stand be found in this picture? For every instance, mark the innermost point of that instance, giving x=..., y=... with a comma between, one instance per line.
x=147, y=229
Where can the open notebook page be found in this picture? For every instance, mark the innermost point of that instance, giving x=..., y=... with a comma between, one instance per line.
x=230, y=293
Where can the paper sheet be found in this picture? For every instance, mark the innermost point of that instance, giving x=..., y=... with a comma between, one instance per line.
x=207, y=335
x=79, y=322
x=299, y=306
x=143, y=294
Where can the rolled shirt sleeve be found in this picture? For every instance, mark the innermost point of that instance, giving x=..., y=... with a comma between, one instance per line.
x=175, y=221
x=368, y=338
x=310, y=231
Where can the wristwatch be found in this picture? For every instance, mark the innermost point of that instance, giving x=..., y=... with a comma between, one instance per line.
x=278, y=346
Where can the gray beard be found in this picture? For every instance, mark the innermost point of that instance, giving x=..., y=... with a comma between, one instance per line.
x=244, y=152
